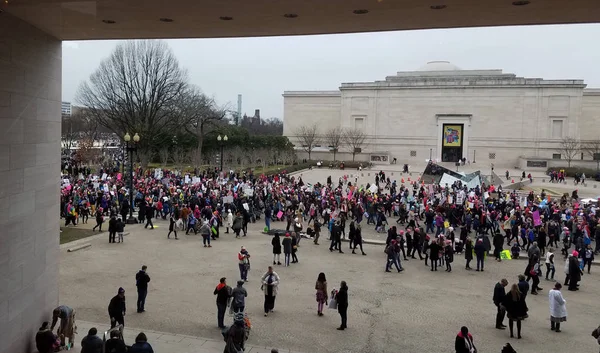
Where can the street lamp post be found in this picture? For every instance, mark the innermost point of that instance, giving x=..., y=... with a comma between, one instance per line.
x=222, y=141
x=430, y=152
x=131, y=148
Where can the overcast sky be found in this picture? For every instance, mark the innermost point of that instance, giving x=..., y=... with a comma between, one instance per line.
x=262, y=68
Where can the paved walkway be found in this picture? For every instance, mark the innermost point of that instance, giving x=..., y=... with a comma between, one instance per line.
x=163, y=342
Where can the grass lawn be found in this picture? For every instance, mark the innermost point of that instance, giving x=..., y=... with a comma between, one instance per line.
x=71, y=234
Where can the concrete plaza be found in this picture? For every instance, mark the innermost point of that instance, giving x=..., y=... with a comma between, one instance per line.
x=413, y=311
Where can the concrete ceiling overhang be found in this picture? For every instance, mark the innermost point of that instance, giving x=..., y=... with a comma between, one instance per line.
x=121, y=19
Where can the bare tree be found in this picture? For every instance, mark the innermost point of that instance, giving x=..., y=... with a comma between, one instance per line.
x=199, y=115
x=308, y=137
x=164, y=155
x=333, y=138
x=69, y=133
x=354, y=139
x=592, y=148
x=134, y=90
x=569, y=148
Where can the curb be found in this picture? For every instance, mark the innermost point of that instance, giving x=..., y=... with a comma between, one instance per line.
x=79, y=247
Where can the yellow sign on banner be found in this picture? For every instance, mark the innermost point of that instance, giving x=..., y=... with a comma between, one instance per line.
x=453, y=135
x=506, y=255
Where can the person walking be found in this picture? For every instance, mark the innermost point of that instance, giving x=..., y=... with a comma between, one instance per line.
x=468, y=253
x=480, y=252
x=235, y=336
x=149, y=214
x=515, y=309
x=558, y=307
x=498, y=299
x=244, y=263
x=117, y=309
x=141, y=282
x=322, y=294
x=286, y=243
x=342, y=303
x=498, y=243
x=535, y=272
x=358, y=241
x=270, y=283
x=99, y=220
x=172, y=227
x=464, y=342
x=575, y=271
x=239, y=295
x=223, y=293
x=294, y=247
x=205, y=231
x=588, y=258
x=276, y=243
x=550, y=270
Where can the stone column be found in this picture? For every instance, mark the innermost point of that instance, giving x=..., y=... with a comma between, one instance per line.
x=30, y=130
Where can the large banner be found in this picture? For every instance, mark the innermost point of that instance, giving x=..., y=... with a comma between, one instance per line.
x=452, y=135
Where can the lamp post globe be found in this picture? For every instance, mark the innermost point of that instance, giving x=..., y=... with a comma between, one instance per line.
x=136, y=137
x=127, y=137
x=225, y=138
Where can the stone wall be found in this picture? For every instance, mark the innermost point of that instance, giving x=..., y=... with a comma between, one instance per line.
x=30, y=128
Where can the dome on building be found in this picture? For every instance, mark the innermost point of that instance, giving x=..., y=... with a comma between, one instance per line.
x=439, y=66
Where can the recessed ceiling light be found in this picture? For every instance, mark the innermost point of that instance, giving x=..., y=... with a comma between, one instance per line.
x=521, y=2
x=360, y=12
x=290, y=15
x=110, y=22
x=164, y=19
x=226, y=18
x=438, y=7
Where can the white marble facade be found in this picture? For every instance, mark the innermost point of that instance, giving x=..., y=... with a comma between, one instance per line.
x=503, y=116
x=30, y=106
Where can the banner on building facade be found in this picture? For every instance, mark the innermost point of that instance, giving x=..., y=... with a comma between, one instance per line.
x=453, y=135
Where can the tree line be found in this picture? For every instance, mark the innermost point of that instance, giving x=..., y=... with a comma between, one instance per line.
x=141, y=88
x=311, y=137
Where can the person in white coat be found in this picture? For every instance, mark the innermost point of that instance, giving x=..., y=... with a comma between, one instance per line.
x=558, y=307
x=229, y=221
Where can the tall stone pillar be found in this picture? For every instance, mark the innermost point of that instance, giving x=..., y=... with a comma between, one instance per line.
x=30, y=130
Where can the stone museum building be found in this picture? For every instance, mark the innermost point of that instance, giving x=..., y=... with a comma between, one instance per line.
x=445, y=113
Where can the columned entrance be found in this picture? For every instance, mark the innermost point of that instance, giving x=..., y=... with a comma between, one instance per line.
x=453, y=134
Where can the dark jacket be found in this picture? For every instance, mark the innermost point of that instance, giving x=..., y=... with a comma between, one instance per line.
x=276, y=242
x=120, y=226
x=574, y=269
x=115, y=345
x=515, y=309
x=342, y=297
x=141, y=347
x=222, y=294
x=91, y=344
x=469, y=251
x=141, y=280
x=235, y=338
x=44, y=340
x=499, y=294
x=112, y=225
x=116, y=307
x=460, y=345
x=434, y=251
x=523, y=288
x=287, y=245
